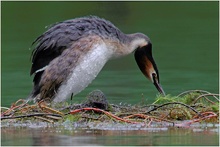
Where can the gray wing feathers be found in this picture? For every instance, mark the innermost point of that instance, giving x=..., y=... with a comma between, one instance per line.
x=61, y=36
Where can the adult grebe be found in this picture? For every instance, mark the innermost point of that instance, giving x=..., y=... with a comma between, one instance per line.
x=70, y=54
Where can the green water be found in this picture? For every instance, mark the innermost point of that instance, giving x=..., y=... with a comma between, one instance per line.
x=184, y=35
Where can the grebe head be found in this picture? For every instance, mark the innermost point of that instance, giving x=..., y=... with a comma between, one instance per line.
x=144, y=59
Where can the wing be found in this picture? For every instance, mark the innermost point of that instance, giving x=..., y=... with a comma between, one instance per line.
x=60, y=69
x=51, y=44
x=60, y=37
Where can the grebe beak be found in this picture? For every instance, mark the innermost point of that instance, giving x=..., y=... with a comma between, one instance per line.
x=146, y=63
x=157, y=84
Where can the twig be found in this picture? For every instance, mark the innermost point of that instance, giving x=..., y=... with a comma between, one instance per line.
x=15, y=106
x=191, y=91
x=152, y=118
x=187, y=124
x=31, y=115
x=204, y=95
x=5, y=108
x=45, y=119
x=105, y=112
x=54, y=117
x=161, y=119
x=169, y=103
x=137, y=115
x=51, y=110
x=199, y=91
x=28, y=107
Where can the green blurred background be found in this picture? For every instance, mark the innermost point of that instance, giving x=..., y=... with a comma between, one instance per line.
x=184, y=36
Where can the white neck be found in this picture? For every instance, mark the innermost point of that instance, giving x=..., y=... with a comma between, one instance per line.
x=138, y=42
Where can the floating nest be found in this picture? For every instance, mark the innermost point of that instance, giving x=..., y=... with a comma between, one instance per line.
x=183, y=110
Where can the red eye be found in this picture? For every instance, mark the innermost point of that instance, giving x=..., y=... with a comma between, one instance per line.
x=154, y=75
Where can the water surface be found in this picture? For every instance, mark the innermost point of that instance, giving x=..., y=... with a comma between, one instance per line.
x=202, y=136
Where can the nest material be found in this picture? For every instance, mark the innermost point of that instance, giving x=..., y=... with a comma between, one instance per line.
x=186, y=108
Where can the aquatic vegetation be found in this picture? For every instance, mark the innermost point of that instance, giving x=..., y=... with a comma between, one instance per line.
x=180, y=111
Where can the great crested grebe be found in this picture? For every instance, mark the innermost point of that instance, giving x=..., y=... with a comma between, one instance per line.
x=70, y=54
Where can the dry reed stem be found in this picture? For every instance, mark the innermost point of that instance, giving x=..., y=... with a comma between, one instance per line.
x=204, y=95
x=31, y=115
x=14, y=106
x=197, y=118
x=44, y=119
x=171, y=103
x=43, y=107
x=193, y=91
x=103, y=111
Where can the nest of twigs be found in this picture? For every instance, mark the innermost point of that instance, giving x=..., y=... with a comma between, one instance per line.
x=183, y=110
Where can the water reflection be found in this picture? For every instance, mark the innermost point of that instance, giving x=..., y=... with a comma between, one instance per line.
x=55, y=136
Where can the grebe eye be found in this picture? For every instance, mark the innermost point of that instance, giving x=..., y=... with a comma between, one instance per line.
x=154, y=75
